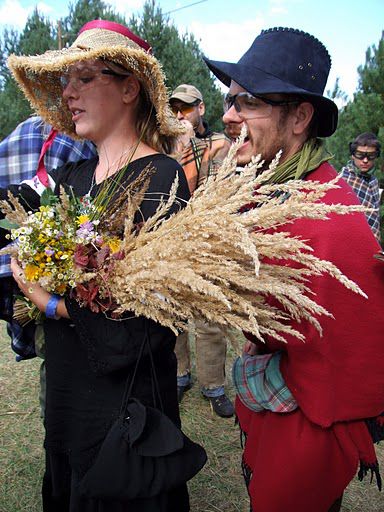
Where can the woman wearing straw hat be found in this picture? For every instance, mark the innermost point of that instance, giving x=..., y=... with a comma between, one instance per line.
x=106, y=88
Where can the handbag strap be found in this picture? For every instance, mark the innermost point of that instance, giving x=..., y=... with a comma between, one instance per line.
x=155, y=382
x=130, y=383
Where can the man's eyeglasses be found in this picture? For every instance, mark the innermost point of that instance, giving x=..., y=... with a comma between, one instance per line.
x=250, y=106
x=184, y=109
x=370, y=155
x=88, y=77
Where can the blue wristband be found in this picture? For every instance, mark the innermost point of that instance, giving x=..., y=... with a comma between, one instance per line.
x=51, y=307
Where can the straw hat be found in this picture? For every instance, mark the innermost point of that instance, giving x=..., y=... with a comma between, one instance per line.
x=39, y=76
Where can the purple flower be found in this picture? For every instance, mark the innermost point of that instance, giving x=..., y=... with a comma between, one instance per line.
x=87, y=225
x=85, y=230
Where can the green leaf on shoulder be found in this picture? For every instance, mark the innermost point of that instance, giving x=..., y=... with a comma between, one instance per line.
x=6, y=224
x=48, y=197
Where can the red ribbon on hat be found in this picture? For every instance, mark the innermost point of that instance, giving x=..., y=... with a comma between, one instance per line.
x=41, y=172
x=116, y=27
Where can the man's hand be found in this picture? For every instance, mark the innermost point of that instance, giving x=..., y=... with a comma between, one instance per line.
x=183, y=140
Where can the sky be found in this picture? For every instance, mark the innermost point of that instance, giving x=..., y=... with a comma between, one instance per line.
x=226, y=29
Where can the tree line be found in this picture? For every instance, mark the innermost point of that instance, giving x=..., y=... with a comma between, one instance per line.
x=181, y=58
x=365, y=111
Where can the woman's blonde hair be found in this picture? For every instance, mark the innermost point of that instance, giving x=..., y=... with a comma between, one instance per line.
x=146, y=121
x=147, y=126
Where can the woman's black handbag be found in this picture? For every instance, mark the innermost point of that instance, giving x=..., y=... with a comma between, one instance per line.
x=143, y=454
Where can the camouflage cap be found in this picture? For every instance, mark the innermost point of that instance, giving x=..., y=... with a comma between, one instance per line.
x=186, y=93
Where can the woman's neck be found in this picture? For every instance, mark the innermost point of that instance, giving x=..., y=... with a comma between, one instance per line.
x=114, y=154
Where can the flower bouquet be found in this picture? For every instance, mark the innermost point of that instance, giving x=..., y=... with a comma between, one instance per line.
x=60, y=245
x=209, y=260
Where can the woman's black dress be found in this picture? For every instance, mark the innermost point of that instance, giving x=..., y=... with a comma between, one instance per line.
x=88, y=361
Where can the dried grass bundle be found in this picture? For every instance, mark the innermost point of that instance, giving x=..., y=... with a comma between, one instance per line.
x=207, y=260
x=15, y=215
x=13, y=210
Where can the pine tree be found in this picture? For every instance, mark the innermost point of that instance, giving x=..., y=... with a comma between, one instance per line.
x=37, y=37
x=365, y=113
x=180, y=56
x=83, y=11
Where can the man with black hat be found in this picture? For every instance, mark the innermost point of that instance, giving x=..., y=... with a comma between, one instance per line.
x=200, y=158
x=302, y=406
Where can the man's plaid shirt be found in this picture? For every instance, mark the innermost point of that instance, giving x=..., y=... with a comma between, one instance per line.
x=366, y=187
x=19, y=156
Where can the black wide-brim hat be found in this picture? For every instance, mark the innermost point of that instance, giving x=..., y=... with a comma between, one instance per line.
x=284, y=61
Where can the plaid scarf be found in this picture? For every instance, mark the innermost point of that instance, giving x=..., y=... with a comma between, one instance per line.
x=366, y=187
x=260, y=385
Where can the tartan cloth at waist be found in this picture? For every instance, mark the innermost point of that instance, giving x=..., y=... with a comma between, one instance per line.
x=260, y=385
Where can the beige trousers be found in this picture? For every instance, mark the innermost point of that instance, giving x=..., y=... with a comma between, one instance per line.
x=211, y=351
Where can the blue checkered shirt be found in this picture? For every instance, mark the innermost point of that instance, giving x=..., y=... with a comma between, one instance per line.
x=19, y=156
x=366, y=187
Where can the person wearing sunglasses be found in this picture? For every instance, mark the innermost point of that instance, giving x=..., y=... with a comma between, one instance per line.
x=201, y=150
x=187, y=104
x=107, y=88
x=302, y=405
x=201, y=154
x=359, y=173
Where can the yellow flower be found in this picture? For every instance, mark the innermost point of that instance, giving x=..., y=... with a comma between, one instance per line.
x=31, y=272
x=61, y=289
x=113, y=244
x=81, y=219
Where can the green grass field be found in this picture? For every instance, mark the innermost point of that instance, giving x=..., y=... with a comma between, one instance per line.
x=218, y=487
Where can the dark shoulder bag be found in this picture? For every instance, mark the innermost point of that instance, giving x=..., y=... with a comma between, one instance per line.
x=144, y=453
